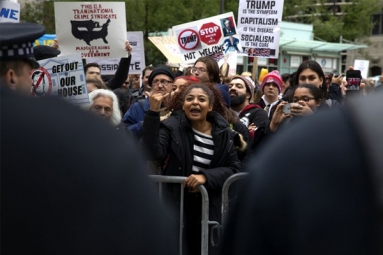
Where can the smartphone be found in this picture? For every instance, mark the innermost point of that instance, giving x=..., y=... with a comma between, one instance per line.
x=287, y=109
x=353, y=78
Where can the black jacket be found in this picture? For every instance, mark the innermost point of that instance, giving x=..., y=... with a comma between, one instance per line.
x=171, y=143
x=121, y=74
x=63, y=193
x=299, y=202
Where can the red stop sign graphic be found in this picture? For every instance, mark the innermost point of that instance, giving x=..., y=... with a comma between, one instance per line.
x=210, y=33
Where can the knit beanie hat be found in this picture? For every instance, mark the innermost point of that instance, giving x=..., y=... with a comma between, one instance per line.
x=224, y=89
x=275, y=77
x=161, y=70
x=246, y=80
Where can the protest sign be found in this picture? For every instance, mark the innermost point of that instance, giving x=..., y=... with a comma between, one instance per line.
x=228, y=64
x=109, y=65
x=207, y=37
x=95, y=29
x=259, y=27
x=362, y=65
x=9, y=12
x=46, y=39
x=63, y=77
x=168, y=46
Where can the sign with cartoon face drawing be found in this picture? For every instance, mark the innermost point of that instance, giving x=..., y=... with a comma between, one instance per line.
x=94, y=29
x=212, y=36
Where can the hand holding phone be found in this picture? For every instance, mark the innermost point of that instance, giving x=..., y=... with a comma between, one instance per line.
x=287, y=107
x=353, y=78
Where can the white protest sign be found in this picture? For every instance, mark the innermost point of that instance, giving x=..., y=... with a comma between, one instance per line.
x=259, y=26
x=362, y=65
x=109, y=65
x=207, y=37
x=94, y=29
x=63, y=77
x=228, y=64
x=168, y=46
x=9, y=12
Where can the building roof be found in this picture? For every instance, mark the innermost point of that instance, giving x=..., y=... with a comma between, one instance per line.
x=299, y=37
x=315, y=46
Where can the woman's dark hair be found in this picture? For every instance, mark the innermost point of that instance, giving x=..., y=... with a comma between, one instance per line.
x=212, y=68
x=313, y=65
x=292, y=80
x=285, y=77
x=315, y=92
x=205, y=88
x=215, y=97
x=230, y=115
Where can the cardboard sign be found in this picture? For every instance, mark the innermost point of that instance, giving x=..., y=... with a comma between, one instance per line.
x=63, y=77
x=228, y=64
x=168, y=46
x=9, y=12
x=109, y=65
x=95, y=29
x=259, y=27
x=362, y=65
x=206, y=37
x=46, y=39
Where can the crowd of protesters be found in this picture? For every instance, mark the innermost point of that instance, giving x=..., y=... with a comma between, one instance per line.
x=206, y=126
x=192, y=123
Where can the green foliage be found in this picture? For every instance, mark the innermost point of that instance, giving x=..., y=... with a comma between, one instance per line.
x=39, y=12
x=354, y=24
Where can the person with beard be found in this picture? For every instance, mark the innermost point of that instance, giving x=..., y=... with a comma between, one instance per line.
x=251, y=115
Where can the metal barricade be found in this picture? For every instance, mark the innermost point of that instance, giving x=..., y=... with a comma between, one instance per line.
x=225, y=195
x=205, y=209
x=205, y=206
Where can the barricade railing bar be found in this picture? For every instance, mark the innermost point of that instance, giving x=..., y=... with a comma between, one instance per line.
x=225, y=195
x=205, y=209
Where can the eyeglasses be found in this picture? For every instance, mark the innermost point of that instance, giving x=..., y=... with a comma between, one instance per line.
x=304, y=99
x=200, y=70
x=163, y=82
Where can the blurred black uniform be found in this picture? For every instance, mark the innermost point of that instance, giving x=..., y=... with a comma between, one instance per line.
x=314, y=191
x=70, y=184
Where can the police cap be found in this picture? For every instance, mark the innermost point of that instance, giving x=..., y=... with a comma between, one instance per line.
x=16, y=41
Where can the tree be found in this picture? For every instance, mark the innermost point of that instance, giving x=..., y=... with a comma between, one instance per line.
x=351, y=20
x=40, y=13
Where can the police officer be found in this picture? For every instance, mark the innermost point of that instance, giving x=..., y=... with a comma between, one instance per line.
x=16, y=54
